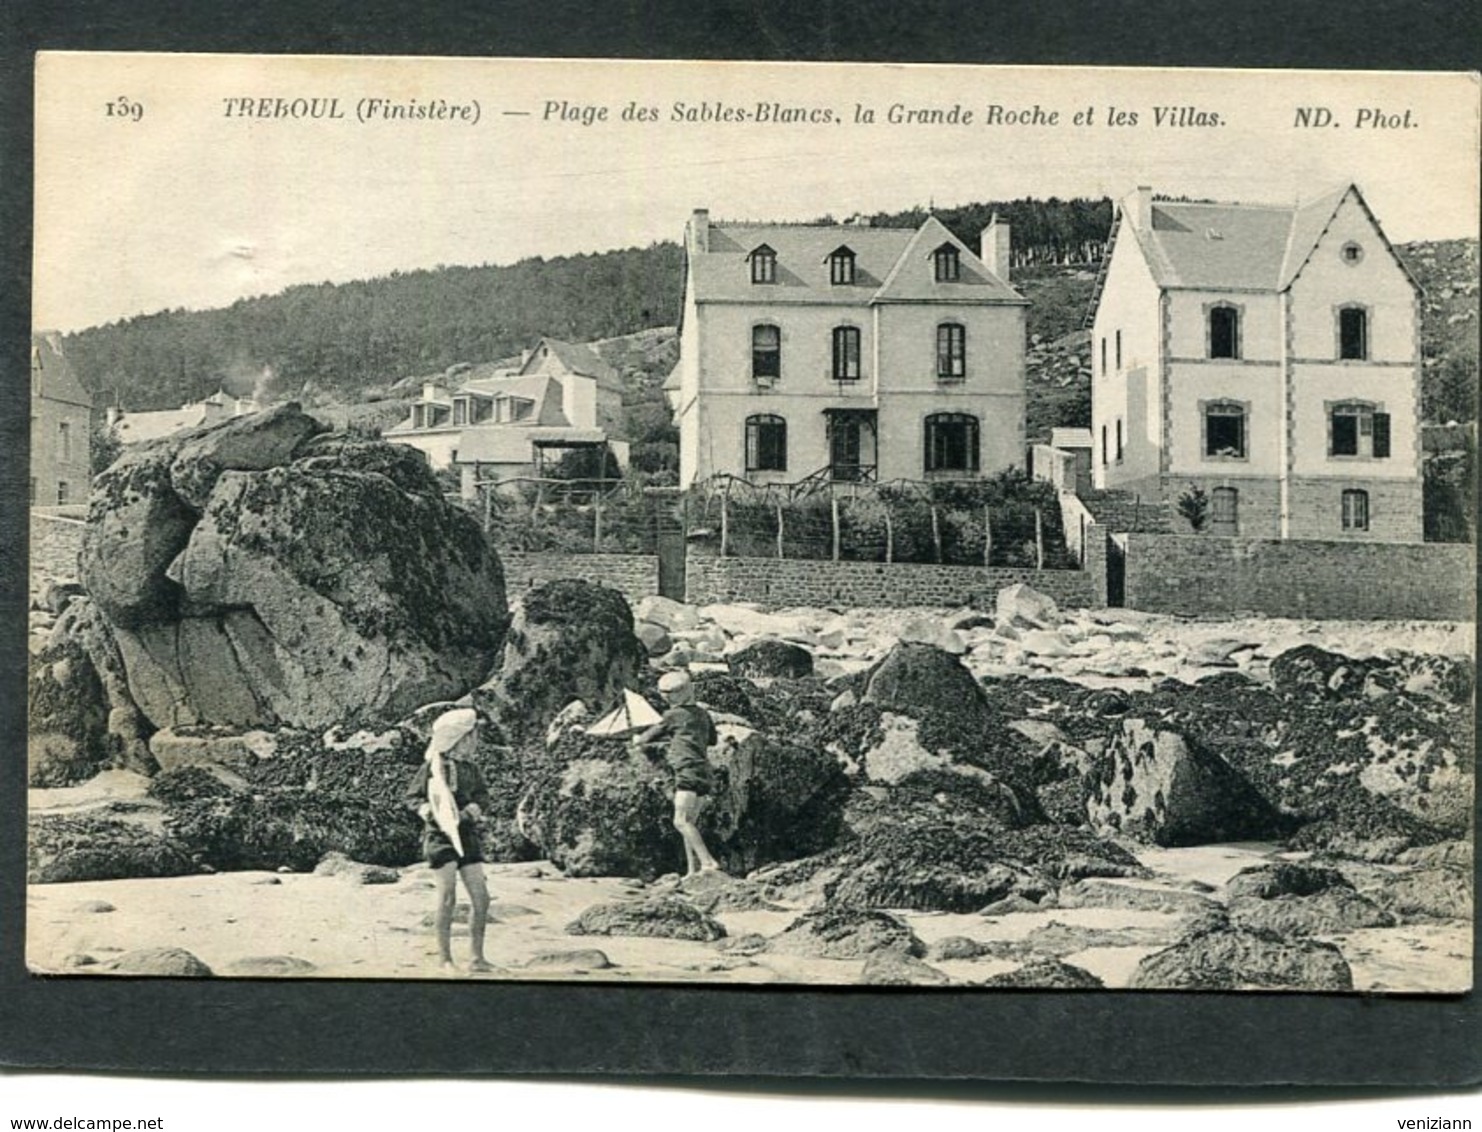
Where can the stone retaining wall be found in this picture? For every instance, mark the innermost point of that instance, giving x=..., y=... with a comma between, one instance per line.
x=1205, y=574
x=635, y=576
x=779, y=583
x=56, y=543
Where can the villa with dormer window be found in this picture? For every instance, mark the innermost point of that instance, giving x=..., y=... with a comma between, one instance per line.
x=847, y=353
x=1266, y=354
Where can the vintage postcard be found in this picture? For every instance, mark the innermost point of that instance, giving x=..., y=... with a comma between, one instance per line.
x=740, y=524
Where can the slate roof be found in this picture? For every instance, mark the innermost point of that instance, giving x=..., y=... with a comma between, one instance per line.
x=132, y=428
x=1070, y=438
x=890, y=265
x=582, y=360
x=1247, y=247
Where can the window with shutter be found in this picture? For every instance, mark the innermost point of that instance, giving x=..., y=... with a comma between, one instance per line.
x=1381, y=435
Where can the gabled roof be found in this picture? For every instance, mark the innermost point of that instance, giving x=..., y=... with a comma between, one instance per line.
x=578, y=359
x=52, y=376
x=1244, y=247
x=887, y=267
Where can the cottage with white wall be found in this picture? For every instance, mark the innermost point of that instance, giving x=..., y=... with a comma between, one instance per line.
x=492, y=421
x=848, y=353
x=1268, y=354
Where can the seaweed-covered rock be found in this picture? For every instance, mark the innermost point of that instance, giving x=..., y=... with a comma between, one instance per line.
x=1284, y=878
x=1236, y=959
x=1328, y=912
x=654, y=916
x=775, y=800
x=568, y=640
x=768, y=658
x=921, y=680
x=101, y=846
x=1048, y=974
x=606, y=813
x=846, y=933
x=1310, y=672
x=1425, y=893
x=1158, y=786
x=168, y=962
x=898, y=969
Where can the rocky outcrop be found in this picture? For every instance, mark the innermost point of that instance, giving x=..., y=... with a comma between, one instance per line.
x=1235, y=959
x=600, y=810
x=898, y=969
x=656, y=917
x=846, y=933
x=82, y=718
x=596, y=809
x=1158, y=786
x=568, y=640
x=246, y=586
x=768, y=658
x=921, y=680
x=102, y=845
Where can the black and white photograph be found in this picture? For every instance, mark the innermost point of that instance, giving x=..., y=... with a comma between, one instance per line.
x=948, y=527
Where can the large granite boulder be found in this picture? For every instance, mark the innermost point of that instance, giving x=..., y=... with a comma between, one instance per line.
x=82, y=718
x=1158, y=786
x=568, y=640
x=921, y=680
x=260, y=573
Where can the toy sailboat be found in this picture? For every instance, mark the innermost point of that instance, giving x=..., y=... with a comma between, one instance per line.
x=632, y=714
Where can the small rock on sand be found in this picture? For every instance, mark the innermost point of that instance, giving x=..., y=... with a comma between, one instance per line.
x=580, y=959
x=269, y=966
x=94, y=906
x=897, y=969
x=1048, y=975
x=661, y=917
x=172, y=962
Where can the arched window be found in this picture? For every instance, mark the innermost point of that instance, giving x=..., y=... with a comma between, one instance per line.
x=947, y=264
x=1355, y=510
x=1224, y=331
x=766, y=352
x=766, y=443
x=1224, y=431
x=841, y=267
x=1353, y=333
x=763, y=264
x=951, y=442
x=951, y=352
x=846, y=353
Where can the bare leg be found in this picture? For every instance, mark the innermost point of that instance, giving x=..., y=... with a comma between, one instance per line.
x=447, y=897
x=687, y=806
x=478, y=897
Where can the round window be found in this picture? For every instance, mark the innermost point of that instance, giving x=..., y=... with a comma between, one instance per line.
x=1352, y=253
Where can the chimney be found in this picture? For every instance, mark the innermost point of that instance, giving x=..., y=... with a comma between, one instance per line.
x=698, y=237
x=1139, y=206
x=995, y=246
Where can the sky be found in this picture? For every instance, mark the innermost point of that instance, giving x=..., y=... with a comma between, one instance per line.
x=186, y=202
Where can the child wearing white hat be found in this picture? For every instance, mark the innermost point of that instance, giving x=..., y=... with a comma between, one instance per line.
x=690, y=730
x=449, y=793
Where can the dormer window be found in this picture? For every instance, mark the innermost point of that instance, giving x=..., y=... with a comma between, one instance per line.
x=763, y=264
x=841, y=267
x=947, y=263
